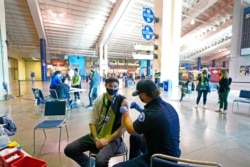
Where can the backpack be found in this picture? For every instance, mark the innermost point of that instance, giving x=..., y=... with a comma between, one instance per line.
x=9, y=125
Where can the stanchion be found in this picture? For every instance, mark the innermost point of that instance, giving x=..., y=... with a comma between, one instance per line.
x=19, y=89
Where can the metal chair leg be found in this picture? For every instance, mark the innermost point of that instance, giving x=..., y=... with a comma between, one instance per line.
x=60, y=138
x=34, y=140
x=44, y=134
x=67, y=131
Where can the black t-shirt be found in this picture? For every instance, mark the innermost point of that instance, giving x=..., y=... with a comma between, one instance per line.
x=161, y=128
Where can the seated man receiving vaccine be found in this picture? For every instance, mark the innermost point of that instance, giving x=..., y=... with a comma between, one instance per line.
x=105, y=129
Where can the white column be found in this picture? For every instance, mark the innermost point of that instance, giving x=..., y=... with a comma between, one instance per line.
x=235, y=59
x=4, y=73
x=169, y=30
x=103, y=54
x=105, y=57
x=101, y=59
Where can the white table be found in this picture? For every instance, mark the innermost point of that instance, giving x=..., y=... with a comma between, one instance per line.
x=73, y=90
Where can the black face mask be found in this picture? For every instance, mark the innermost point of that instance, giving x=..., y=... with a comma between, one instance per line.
x=112, y=92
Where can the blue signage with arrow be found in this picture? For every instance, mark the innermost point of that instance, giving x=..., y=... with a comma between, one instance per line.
x=148, y=15
x=147, y=32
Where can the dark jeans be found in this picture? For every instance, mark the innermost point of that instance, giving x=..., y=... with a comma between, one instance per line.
x=75, y=151
x=92, y=95
x=141, y=161
x=137, y=146
x=200, y=92
x=77, y=94
x=223, y=99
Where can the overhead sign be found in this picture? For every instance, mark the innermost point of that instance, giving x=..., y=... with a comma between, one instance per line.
x=142, y=56
x=147, y=32
x=148, y=15
x=143, y=47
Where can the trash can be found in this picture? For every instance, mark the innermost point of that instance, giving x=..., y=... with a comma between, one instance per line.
x=167, y=85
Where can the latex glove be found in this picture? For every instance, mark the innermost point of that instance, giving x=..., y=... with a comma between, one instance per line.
x=123, y=109
x=136, y=106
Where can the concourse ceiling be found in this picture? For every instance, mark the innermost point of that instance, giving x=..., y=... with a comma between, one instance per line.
x=78, y=27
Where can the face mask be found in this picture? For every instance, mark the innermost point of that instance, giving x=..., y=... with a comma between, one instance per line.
x=112, y=92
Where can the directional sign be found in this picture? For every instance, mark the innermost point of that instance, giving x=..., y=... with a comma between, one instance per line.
x=142, y=56
x=147, y=32
x=148, y=15
x=144, y=47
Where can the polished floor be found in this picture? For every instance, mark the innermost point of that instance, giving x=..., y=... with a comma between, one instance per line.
x=205, y=134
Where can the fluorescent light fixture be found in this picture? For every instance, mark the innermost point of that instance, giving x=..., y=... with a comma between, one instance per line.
x=192, y=22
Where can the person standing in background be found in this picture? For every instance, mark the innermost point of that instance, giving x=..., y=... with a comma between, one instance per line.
x=223, y=91
x=93, y=86
x=32, y=75
x=203, y=87
x=76, y=83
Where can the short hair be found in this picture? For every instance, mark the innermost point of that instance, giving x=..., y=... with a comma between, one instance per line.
x=112, y=79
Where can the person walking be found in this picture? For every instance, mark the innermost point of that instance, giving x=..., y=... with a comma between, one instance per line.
x=106, y=129
x=223, y=91
x=93, y=86
x=32, y=76
x=187, y=88
x=158, y=122
x=203, y=87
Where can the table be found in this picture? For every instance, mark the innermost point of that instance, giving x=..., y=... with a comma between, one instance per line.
x=73, y=90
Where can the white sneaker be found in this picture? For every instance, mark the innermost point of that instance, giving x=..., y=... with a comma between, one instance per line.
x=224, y=112
x=218, y=110
x=204, y=106
x=90, y=107
x=196, y=106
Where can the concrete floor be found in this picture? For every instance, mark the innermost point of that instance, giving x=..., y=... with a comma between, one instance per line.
x=205, y=134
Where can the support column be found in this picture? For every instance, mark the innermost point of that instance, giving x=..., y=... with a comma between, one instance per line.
x=198, y=63
x=43, y=59
x=169, y=30
x=213, y=63
x=4, y=73
x=235, y=59
x=103, y=57
x=148, y=67
x=224, y=64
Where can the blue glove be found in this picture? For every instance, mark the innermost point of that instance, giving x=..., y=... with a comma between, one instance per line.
x=123, y=109
x=136, y=106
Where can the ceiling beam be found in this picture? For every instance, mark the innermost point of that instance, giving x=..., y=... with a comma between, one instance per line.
x=37, y=18
x=116, y=15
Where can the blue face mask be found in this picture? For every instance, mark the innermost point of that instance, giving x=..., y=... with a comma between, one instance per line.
x=112, y=92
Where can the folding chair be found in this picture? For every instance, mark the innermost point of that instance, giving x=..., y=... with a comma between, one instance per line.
x=54, y=117
x=53, y=94
x=161, y=160
x=124, y=154
x=40, y=99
